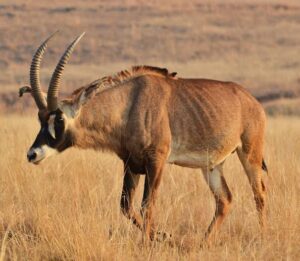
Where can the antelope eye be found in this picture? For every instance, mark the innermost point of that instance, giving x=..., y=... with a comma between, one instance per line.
x=59, y=119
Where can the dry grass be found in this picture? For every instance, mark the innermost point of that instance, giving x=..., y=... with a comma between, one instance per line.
x=68, y=207
x=252, y=42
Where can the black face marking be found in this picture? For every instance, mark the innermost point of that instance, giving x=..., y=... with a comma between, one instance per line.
x=44, y=137
x=59, y=125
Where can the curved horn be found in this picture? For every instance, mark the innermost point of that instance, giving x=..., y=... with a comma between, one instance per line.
x=52, y=97
x=35, y=75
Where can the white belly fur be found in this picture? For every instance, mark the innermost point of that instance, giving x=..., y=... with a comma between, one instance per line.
x=197, y=159
x=189, y=159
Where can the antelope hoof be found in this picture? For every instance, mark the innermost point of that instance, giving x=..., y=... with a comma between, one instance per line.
x=205, y=243
x=162, y=236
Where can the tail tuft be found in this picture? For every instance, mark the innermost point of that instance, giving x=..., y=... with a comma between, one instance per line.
x=264, y=166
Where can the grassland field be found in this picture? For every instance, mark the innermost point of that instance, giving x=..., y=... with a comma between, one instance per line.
x=68, y=207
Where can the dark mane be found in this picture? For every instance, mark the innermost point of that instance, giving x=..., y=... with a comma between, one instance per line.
x=152, y=69
x=120, y=77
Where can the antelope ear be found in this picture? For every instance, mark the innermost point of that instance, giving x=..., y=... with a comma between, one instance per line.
x=88, y=92
x=24, y=89
x=28, y=89
x=67, y=108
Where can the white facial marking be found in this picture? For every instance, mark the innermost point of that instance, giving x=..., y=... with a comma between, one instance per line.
x=51, y=126
x=41, y=153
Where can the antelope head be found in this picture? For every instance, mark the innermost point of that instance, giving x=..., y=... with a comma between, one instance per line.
x=54, y=135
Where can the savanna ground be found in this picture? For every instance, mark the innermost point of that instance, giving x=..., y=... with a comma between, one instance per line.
x=68, y=207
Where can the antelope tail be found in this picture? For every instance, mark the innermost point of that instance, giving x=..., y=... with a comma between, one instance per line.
x=264, y=166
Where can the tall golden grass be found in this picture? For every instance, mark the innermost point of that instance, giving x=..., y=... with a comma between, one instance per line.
x=68, y=207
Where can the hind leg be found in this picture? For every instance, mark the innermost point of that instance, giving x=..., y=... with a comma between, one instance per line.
x=223, y=198
x=252, y=163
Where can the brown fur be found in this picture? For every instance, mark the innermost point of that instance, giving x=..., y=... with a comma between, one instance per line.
x=120, y=77
x=148, y=117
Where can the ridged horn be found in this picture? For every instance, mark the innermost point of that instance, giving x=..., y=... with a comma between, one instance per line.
x=35, y=75
x=52, y=96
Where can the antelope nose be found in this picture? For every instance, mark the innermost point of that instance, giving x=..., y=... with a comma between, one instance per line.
x=31, y=155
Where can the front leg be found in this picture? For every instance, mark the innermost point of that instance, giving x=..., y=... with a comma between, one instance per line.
x=154, y=170
x=130, y=183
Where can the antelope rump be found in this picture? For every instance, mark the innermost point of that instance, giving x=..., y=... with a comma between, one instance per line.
x=150, y=117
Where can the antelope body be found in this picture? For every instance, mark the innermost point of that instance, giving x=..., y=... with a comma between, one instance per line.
x=149, y=117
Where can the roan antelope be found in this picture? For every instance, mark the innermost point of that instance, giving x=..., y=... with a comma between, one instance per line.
x=149, y=117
